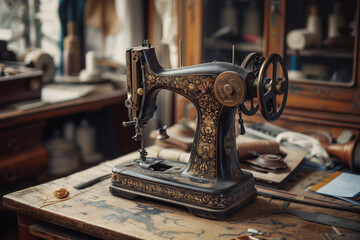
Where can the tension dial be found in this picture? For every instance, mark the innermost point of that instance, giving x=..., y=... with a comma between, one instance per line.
x=230, y=88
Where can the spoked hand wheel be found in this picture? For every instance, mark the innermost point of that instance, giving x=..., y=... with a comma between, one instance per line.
x=269, y=88
x=252, y=62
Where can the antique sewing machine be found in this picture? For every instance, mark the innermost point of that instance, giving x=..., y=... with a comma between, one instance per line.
x=211, y=184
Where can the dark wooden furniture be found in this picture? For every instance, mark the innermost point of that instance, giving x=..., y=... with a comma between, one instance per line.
x=315, y=102
x=330, y=106
x=94, y=211
x=22, y=151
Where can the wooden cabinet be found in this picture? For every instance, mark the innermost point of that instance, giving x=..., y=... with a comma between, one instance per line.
x=22, y=154
x=333, y=91
x=319, y=41
x=327, y=92
x=23, y=133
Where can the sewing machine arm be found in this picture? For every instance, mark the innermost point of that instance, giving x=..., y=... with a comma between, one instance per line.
x=146, y=78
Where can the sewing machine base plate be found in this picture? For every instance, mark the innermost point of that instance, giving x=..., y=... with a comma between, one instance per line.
x=205, y=198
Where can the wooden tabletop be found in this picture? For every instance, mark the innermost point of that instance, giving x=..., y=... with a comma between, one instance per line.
x=97, y=212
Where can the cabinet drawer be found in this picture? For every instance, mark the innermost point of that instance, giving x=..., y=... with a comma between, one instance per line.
x=18, y=138
x=17, y=88
x=19, y=165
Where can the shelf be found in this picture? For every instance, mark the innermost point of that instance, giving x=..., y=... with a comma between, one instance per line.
x=83, y=104
x=316, y=52
x=323, y=82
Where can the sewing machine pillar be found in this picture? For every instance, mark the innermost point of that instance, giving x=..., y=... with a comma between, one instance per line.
x=214, y=140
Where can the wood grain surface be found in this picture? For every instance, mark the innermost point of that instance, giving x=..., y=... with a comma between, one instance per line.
x=97, y=212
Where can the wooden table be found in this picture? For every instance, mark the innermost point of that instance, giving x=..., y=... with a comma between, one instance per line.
x=96, y=212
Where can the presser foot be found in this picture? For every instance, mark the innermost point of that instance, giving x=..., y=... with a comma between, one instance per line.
x=165, y=180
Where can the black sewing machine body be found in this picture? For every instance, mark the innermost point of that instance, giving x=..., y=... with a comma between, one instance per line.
x=212, y=183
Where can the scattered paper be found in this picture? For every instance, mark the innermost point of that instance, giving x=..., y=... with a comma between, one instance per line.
x=340, y=185
x=53, y=93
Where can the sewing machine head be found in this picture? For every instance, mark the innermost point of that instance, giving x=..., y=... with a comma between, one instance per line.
x=211, y=184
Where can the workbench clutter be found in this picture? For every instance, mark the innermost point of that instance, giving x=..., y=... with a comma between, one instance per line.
x=77, y=81
x=89, y=81
x=269, y=162
x=341, y=185
x=23, y=80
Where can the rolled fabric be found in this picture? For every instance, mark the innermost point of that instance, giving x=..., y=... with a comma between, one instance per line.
x=258, y=146
x=174, y=154
x=299, y=39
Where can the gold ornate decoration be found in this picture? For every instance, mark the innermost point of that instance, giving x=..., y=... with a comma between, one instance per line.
x=235, y=171
x=179, y=194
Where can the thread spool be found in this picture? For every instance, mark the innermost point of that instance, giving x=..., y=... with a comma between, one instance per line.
x=299, y=39
x=295, y=70
x=313, y=21
x=38, y=59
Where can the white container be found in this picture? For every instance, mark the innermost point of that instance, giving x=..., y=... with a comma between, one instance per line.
x=64, y=156
x=85, y=138
x=69, y=131
x=91, y=73
x=335, y=21
x=313, y=25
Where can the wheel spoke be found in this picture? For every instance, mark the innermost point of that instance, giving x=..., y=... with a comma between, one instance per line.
x=266, y=96
x=251, y=104
x=274, y=79
x=274, y=105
